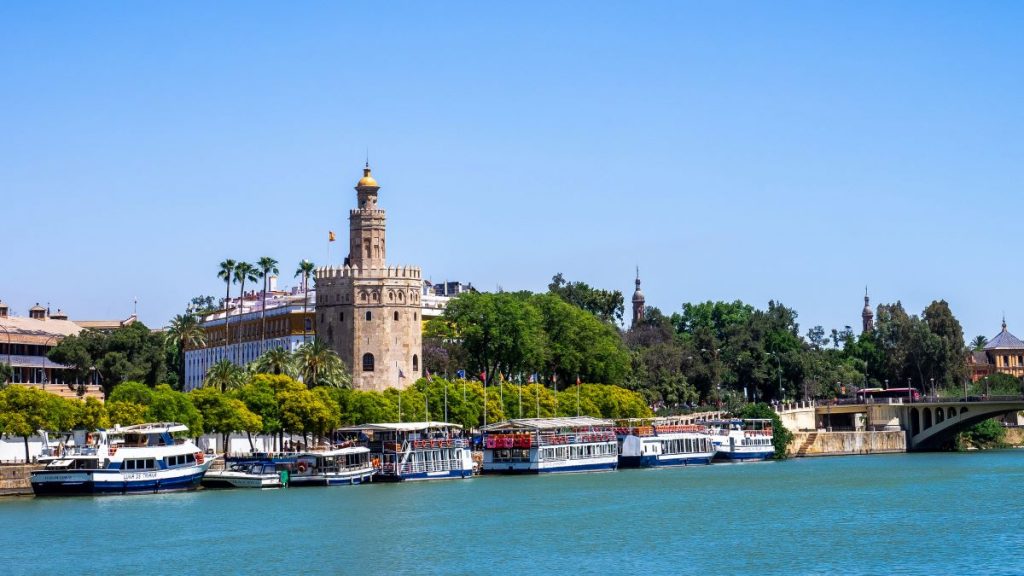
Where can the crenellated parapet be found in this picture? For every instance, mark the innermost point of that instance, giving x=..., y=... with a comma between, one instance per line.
x=332, y=272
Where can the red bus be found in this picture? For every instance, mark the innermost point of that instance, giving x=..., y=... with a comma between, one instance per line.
x=864, y=394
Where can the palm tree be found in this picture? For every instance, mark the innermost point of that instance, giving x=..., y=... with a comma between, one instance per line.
x=266, y=266
x=979, y=342
x=321, y=366
x=274, y=361
x=224, y=376
x=243, y=271
x=227, y=269
x=305, y=269
x=184, y=331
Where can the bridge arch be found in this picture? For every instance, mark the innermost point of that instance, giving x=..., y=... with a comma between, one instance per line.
x=937, y=427
x=940, y=415
x=927, y=418
x=915, y=422
x=952, y=412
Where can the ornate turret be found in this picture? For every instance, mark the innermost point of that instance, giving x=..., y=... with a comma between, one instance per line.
x=867, y=316
x=366, y=226
x=638, y=301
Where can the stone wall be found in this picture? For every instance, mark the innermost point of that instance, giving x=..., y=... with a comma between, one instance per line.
x=847, y=443
x=14, y=480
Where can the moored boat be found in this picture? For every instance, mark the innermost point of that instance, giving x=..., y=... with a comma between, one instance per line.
x=657, y=442
x=546, y=445
x=742, y=440
x=146, y=458
x=246, y=475
x=338, y=467
x=405, y=451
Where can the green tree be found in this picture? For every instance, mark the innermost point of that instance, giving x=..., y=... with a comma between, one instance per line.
x=169, y=405
x=25, y=410
x=500, y=332
x=224, y=415
x=366, y=406
x=306, y=412
x=979, y=342
x=607, y=305
x=226, y=273
x=275, y=361
x=260, y=398
x=136, y=392
x=321, y=366
x=6, y=374
x=201, y=306
x=224, y=375
x=126, y=413
x=305, y=270
x=266, y=267
x=93, y=415
x=129, y=353
x=183, y=332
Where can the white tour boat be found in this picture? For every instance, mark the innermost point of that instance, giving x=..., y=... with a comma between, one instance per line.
x=660, y=442
x=338, y=467
x=146, y=458
x=742, y=440
x=403, y=451
x=543, y=445
x=246, y=475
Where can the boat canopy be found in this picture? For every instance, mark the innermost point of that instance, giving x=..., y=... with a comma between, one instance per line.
x=153, y=428
x=399, y=426
x=337, y=452
x=531, y=424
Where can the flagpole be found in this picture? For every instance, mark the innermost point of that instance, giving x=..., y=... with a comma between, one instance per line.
x=446, y=400
x=577, y=396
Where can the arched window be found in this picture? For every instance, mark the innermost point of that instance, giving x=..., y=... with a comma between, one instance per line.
x=341, y=316
x=369, y=316
x=415, y=363
x=367, y=362
x=396, y=316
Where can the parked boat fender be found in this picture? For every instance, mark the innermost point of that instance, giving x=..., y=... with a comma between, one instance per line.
x=199, y=458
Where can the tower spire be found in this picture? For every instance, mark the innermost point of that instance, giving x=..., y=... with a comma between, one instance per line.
x=867, y=316
x=638, y=301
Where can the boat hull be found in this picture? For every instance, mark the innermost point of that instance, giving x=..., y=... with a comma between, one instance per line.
x=212, y=480
x=744, y=456
x=549, y=468
x=344, y=479
x=421, y=476
x=87, y=483
x=662, y=461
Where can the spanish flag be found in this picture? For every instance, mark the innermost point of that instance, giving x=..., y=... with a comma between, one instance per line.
x=330, y=235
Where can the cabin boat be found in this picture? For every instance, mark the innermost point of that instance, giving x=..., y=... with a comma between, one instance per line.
x=547, y=445
x=147, y=458
x=742, y=440
x=246, y=475
x=655, y=443
x=405, y=451
x=339, y=467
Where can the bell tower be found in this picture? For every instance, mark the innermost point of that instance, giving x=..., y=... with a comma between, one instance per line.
x=366, y=248
x=638, y=301
x=867, y=316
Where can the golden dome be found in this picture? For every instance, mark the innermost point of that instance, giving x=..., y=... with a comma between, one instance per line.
x=367, y=180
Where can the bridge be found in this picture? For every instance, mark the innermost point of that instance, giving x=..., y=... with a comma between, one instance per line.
x=930, y=422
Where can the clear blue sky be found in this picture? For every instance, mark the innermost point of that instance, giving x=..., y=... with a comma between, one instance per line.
x=733, y=150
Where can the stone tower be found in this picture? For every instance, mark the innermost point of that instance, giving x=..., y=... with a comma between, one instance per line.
x=367, y=311
x=638, y=301
x=867, y=316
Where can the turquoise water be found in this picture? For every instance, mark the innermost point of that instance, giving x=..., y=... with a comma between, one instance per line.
x=893, y=514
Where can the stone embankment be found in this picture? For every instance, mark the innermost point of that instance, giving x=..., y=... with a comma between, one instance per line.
x=847, y=443
x=14, y=479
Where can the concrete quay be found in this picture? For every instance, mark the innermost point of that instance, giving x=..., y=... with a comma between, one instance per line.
x=14, y=479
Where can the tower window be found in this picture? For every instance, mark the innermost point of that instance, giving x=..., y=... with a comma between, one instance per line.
x=367, y=362
x=369, y=315
x=415, y=363
x=396, y=316
x=341, y=317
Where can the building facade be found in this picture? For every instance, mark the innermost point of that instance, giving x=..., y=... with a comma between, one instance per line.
x=367, y=311
x=236, y=332
x=1003, y=354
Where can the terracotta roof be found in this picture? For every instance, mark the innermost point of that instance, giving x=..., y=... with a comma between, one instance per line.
x=42, y=328
x=980, y=357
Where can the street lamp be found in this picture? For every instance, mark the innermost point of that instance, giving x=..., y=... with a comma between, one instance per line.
x=782, y=391
x=933, y=388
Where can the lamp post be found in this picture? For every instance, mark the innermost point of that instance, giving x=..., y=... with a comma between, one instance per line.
x=934, y=395
x=782, y=391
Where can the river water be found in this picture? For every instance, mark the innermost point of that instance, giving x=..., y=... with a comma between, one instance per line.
x=886, y=514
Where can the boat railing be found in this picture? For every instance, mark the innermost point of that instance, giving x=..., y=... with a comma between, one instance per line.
x=576, y=438
x=436, y=443
x=406, y=468
x=655, y=430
